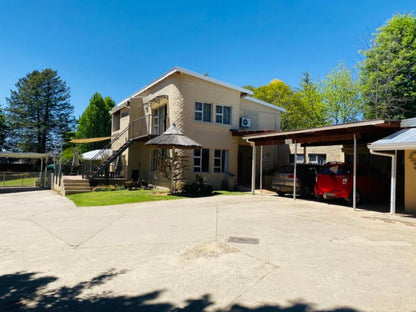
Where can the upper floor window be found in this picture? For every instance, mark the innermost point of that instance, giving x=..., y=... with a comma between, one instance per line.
x=201, y=160
x=223, y=114
x=116, y=121
x=203, y=111
x=159, y=120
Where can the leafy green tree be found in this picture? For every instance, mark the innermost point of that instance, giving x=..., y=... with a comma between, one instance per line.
x=95, y=121
x=313, y=111
x=280, y=94
x=388, y=72
x=3, y=130
x=341, y=96
x=39, y=111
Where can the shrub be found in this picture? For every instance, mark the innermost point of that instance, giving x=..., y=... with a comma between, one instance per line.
x=199, y=187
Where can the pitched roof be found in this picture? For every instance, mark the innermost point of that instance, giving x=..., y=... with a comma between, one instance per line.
x=190, y=73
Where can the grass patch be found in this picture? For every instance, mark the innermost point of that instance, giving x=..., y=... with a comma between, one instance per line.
x=118, y=197
x=221, y=192
x=19, y=182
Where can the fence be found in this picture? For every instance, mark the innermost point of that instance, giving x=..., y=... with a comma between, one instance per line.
x=19, y=179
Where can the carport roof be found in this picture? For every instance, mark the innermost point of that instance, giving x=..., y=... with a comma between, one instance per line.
x=24, y=155
x=364, y=131
x=402, y=140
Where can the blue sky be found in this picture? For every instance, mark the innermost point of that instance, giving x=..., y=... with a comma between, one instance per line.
x=116, y=47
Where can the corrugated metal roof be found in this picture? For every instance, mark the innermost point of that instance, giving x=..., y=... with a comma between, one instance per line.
x=24, y=155
x=318, y=129
x=402, y=140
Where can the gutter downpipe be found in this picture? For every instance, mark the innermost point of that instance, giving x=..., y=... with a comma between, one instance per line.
x=261, y=169
x=393, y=178
x=294, y=172
x=354, y=177
x=253, y=169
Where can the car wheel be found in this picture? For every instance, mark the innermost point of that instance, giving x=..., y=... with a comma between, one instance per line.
x=280, y=193
x=349, y=199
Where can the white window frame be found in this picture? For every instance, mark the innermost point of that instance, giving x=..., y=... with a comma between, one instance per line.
x=201, y=111
x=219, y=116
x=220, y=161
x=198, y=167
x=316, y=161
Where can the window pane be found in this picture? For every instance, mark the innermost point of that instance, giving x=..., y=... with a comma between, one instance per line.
x=197, y=152
x=217, y=153
x=227, y=115
x=198, y=116
x=197, y=161
x=205, y=160
x=207, y=112
x=218, y=119
x=219, y=109
x=217, y=162
x=198, y=106
x=197, y=169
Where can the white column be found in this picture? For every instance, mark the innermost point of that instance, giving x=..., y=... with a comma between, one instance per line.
x=261, y=169
x=354, y=177
x=253, y=169
x=393, y=183
x=294, y=171
x=41, y=173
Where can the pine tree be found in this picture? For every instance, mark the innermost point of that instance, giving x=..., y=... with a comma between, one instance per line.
x=39, y=112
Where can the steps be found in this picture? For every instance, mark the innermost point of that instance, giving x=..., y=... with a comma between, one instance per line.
x=74, y=186
x=108, y=161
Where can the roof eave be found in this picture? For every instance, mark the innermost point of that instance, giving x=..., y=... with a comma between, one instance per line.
x=188, y=72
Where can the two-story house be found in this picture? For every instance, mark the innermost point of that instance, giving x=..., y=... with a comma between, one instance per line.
x=216, y=114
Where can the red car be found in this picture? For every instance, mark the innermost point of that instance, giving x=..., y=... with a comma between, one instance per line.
x=336, y=181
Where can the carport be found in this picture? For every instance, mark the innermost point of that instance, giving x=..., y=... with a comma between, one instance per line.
x=43, y=162
x=357, y=133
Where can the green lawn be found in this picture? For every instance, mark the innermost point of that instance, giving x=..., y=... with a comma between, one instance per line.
x=118, y=197
x=122, y=197
x=19, y=182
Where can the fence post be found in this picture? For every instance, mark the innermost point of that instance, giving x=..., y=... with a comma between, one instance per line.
x=4, y=178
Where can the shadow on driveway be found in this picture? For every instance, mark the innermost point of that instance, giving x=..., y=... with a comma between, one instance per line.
x=22, y=291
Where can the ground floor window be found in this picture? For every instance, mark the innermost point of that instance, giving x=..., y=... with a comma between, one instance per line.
x=317, y=159
x=300, y=158
x=157, y=156
x=201, y=160
x=221, y=160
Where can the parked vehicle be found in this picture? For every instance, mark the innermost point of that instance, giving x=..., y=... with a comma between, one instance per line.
x=282, y=181
x=336, y=181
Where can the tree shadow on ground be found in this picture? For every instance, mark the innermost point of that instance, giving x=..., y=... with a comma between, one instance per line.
x=22, y=291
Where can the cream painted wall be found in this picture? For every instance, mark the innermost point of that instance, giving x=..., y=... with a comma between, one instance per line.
x=262, y=117
x=333, y=152
x=183, y=91
x=410, y=181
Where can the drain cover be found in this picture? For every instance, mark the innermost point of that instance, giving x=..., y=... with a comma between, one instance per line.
x=243, y=240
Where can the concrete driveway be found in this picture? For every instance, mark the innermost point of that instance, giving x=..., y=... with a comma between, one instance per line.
x=175, y=256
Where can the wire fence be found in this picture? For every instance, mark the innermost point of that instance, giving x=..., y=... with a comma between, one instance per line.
x=16, y=179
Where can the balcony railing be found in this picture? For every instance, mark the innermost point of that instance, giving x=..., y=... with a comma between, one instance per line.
x=139, y=127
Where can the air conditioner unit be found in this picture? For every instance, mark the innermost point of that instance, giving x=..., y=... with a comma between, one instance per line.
x=245, y=122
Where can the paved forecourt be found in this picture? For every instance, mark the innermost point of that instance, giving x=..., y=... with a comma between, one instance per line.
x=220, y=252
